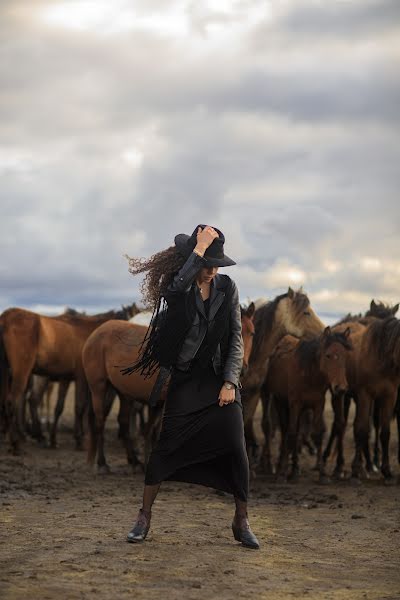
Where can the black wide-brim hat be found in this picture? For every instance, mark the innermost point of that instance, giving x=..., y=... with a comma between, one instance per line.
x=214, y=255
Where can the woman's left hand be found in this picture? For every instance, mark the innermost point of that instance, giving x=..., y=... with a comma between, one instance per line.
x=226, y=396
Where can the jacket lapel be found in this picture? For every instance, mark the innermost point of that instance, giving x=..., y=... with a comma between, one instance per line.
x=216, y=299
x=199, y=302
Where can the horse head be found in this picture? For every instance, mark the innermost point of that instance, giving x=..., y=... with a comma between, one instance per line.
x=296, y=316
x=332, y=358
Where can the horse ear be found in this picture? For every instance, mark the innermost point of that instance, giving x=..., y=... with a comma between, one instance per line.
x=373, y=304
x=290, y=293
x=395, y=309
x=251, y=309
x=327, y=331
x=347, y=332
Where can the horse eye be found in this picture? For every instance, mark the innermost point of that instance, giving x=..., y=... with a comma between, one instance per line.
x=307, y=312
x=328, y=355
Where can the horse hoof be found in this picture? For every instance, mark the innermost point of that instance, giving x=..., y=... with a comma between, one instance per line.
x=355, y=481
x=338, y=475
x=375, y=468
x=389, y=481
x=280, y=478
x=43, y=443
x=103, y=469
x=324, y=480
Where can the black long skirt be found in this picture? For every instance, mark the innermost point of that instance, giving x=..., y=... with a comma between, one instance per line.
x=200, y=441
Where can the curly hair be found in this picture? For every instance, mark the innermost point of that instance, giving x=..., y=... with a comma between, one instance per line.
x=160, y=269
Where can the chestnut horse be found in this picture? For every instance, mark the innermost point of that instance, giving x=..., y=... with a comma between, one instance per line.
x=117, y=343
x=300, y=373
x=289, y=313
x=50, y=346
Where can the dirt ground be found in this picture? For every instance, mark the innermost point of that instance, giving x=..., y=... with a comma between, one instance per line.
x=63, y=528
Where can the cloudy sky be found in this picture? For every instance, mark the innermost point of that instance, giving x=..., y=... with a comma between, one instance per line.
x=126, y=122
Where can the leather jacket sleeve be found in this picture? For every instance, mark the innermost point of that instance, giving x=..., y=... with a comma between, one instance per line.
x=234, y=359
x=186, y=274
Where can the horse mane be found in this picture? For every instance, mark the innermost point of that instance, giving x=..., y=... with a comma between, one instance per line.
x=384, y=337
x=265, y=314
x=308, y=351
x=349, y=318
x=380, y=310
x=71, y=314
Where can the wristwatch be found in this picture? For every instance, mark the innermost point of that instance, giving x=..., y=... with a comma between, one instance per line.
x=228, y=385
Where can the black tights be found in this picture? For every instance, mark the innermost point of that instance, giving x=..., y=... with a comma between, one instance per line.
x=150, y=493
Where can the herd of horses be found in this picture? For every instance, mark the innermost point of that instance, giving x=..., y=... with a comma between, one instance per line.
x=291, y=362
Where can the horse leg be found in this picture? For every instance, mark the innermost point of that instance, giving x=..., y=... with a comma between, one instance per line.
x=376, y=461
x=282, y=411
x=16, y=404
x=305, y=439
x=266, y=462
x=397, y=411
x=124, y=418
x=62, y=393
x=292, y=437
x=319, y=429
x=360, y=428
x=96, y=426
x=340, y=428
x=38, y=389
x=387, y=406
x=81, y=404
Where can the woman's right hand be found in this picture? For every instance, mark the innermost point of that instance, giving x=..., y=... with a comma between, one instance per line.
x=205, y=238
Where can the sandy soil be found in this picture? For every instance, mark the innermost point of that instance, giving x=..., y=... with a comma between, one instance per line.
x=63, y=528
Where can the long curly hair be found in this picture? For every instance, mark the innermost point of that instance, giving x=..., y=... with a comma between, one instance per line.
x=160, y=269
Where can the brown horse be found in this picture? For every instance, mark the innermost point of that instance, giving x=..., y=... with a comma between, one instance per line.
x=50, y=346
x=377, y=379
x=289, y=313
x=118, y=343
x=341, y=405
x=299, y=374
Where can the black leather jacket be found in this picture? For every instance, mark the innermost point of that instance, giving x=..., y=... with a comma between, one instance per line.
x=181, y=284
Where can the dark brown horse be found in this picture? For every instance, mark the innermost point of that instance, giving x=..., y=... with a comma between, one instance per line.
x=299, y=374
x=50, y=346
x=340, y=405
x=377, y=380
x=118, y=343
x=289, y=313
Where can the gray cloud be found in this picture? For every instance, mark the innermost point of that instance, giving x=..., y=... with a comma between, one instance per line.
x=284, y=134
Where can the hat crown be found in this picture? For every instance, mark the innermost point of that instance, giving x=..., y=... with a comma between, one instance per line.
x=214, y=254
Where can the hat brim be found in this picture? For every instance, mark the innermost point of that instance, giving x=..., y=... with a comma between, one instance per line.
x=181, y=243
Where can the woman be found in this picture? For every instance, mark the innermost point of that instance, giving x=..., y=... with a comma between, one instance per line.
x=195, y=335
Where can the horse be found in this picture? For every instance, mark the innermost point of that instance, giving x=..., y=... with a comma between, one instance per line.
x=118, y=343
x=289, y=313
x=341, y=405
x=49, y=346
x=299, y=374
x=377, y=381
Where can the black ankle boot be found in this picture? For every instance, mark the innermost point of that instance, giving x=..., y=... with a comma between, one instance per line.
x=242, y=533
x=141, y=527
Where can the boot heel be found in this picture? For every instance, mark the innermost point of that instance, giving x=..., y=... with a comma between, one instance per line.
x=236, y=534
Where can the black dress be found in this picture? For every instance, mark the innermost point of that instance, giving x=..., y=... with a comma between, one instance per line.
x=200, y=441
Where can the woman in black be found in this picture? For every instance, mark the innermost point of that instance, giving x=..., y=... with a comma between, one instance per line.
x=195, y=336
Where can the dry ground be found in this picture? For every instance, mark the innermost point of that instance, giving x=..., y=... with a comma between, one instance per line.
x=63, y=528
